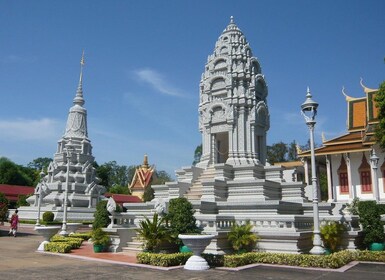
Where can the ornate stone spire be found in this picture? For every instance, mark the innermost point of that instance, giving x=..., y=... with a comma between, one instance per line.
x=233, y=112
x=77, y=117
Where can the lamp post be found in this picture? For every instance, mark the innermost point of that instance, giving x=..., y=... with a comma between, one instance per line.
x=309, y=111
x=374, y=162
x=63, y=231
x=42, y=174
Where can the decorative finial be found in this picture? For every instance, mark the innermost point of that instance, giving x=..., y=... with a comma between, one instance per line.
x=308, y=94
x=231, y=19
x=145, y=162
x=366, y=89
x=323, y=137
x=79, y=93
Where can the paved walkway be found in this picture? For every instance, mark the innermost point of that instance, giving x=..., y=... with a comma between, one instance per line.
x=19, y=260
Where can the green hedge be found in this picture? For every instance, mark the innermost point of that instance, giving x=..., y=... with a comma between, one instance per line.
x=84, y=235
x=163, y=259
x=75, y=242
x=58, y=247
x=335, y=260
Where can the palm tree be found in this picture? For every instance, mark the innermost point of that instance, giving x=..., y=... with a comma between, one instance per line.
x=241, y=237
x=153, y=233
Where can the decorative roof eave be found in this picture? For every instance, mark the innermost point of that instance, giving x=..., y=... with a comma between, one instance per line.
x=321, y=152
x=354, y=138
x=366, y=89
x=350, y=98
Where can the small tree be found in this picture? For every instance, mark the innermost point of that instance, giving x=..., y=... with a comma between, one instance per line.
x=181, y=218
x=241, y=237
x=148, y=194
x=370, y=219
x=380, y=104
x=22, y=200
x=101, y=215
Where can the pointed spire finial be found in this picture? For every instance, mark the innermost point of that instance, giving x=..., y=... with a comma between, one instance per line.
x=79, y=100
x=308, y=94
x=231, y=19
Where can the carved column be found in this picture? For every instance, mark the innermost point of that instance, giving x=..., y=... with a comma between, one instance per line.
x=331, y=190
x=352, y=190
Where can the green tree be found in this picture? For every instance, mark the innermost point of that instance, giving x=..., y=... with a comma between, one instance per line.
x=101, y=215
x=197, y=154
x=380, y=104
x=119, y=189
x=13, y=174
x=277, y=152
x=181, y=218
x=22, y=200
x=40, y=163
x=292, y=151
x=148, y=194
x=112, y=174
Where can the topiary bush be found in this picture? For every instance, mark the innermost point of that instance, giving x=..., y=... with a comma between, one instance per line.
x=101, y=215
x=180, y=218
x=48, y=216
x=370, y=219
x=58, y=247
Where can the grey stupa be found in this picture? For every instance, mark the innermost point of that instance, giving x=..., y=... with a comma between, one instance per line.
x=233, y=183
x=84, y=192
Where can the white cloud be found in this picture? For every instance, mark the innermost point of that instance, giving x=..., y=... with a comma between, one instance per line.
x=157, y=81
x=33, y=130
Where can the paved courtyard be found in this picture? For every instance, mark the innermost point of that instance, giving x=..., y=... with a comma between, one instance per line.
x=19, y=260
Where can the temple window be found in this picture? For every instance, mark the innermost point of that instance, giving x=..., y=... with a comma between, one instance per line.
x=365, y=176
x=343, y=177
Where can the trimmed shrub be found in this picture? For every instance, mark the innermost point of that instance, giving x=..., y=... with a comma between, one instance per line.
x=58, y=247
x=181, y=218
x=84, y=235
x=48, y=216
x=370, y=219
x=164, y=260
x=75, y=242
x=101, y=215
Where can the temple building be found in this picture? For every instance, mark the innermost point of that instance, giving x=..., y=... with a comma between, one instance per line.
x=71, y=169
x=142, y=179
x=354, y=162
x=233, y=183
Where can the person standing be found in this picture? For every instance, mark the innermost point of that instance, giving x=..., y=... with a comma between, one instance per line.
x=14, y=222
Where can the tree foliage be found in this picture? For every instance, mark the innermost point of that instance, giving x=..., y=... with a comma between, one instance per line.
x=153, y=232
x=3, y=208
x=40, y=163
x=241, y=237
x=13, y=174
x=112, y=174
x=181, y=217
x=380, y=104
x=101, y=215
x=197, y=154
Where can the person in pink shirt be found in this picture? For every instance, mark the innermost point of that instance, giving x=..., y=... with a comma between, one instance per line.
x=14, y=221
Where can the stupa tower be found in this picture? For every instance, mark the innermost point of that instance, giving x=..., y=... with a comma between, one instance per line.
x=72, y=167
x=233, y=112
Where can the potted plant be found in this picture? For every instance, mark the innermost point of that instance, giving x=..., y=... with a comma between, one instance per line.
x=241, y=238
x=331, y=234
x=372, y=226
x=100, y=239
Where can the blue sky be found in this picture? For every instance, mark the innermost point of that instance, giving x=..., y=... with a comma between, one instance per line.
x=144, y=60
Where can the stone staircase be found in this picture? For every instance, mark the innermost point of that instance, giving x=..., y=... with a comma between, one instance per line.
x=195, y=191
x=133, y=246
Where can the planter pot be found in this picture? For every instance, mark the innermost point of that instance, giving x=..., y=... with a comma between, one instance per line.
x=47, y=233
x=376, y=247
x=197, y=243
x=72, y=227
x=98, y=248
x=328, y=251
x=184, y=249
